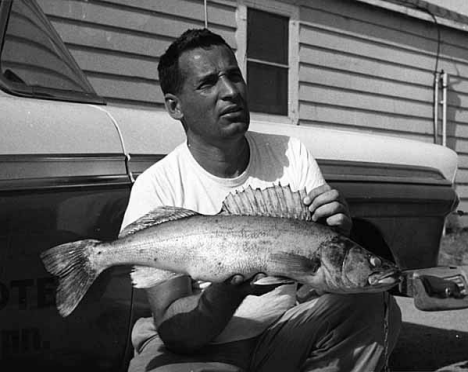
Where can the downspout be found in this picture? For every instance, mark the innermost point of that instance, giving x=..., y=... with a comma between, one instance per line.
x=441, y=80
x=444, y=123
x=437, y=75
x=436, y=105
x=444, y=107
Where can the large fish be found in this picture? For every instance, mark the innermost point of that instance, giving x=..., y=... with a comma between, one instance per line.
x=268, y=231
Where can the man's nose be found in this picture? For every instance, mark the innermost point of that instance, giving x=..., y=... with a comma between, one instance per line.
x=228, y=88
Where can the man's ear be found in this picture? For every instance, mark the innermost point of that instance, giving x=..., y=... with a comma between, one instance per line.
x=172, y=104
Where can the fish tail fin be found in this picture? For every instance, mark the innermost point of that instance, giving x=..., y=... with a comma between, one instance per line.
x=71, y=264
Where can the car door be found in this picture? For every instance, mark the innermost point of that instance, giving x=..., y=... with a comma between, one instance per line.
x=63, y=177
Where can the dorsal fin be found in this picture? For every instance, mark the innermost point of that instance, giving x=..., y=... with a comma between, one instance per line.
x=156, y=217
x=275, y=201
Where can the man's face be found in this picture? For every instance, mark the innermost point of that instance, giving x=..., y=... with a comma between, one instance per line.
x=213, y=98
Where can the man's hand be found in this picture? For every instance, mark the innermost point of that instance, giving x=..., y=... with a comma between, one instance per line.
x=327, y=204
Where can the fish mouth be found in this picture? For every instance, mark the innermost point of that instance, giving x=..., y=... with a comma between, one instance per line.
x=387, y=278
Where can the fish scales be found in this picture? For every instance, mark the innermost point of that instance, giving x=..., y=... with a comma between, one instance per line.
x=213, y=248
x=267, y=231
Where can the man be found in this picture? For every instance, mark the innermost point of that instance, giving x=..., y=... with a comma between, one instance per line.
x=237, y=326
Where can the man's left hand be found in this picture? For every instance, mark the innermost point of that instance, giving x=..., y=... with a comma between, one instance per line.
x=327, y=204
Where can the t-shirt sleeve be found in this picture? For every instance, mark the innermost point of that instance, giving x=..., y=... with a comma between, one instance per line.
x=143, y=199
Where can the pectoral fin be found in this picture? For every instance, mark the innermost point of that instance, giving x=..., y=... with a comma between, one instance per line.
x=295, y=263
x=147, y=277
x=273, y=280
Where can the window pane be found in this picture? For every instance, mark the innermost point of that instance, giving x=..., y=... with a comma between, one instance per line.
x=268, y=88
x=267, y=36
x=33, y=57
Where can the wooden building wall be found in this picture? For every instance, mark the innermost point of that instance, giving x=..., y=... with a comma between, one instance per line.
x=117, y=42
x=367, y=68
x=361, y=67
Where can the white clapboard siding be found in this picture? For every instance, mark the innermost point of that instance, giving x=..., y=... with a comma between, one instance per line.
x=365, y=43
x=117, y=43
x=90, y=37
x=370, y=69
x=219, y=13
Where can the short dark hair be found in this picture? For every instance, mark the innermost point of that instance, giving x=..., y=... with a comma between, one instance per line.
x=170, y=77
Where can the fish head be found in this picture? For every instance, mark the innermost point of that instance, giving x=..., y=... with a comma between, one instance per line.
x=346, y=267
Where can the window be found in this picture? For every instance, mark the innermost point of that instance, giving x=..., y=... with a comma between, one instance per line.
x=267, y=61
x=35, y=62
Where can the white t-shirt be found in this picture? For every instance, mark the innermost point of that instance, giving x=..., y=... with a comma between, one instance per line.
x=178, y=180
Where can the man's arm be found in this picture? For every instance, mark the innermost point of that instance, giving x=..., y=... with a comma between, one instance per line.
x=327, y=204
x=185, y=321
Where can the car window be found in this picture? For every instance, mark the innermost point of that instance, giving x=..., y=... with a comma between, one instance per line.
x=35, y=62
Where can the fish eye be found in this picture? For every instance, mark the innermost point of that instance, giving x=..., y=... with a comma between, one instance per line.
x=375, y=261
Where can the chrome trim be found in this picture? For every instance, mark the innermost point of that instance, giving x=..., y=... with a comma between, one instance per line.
x=138, y=163
x=339, y=171
x=24, y=172
x=62, y=183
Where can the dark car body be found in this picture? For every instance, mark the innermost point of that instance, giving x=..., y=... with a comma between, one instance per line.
x=67, y=164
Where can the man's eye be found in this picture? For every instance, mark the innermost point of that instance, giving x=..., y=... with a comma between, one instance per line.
x=207, y=83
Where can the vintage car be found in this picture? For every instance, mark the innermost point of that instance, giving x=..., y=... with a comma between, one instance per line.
x=67, y=164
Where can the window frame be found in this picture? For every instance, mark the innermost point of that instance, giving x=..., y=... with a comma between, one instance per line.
x=282, y=9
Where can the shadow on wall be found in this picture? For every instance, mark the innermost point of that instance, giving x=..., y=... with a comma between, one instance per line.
x=453, y=105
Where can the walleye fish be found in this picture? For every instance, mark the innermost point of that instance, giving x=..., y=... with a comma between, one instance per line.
x=269, y=231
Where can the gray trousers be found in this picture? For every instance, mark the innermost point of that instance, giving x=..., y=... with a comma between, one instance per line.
x=330, y=333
